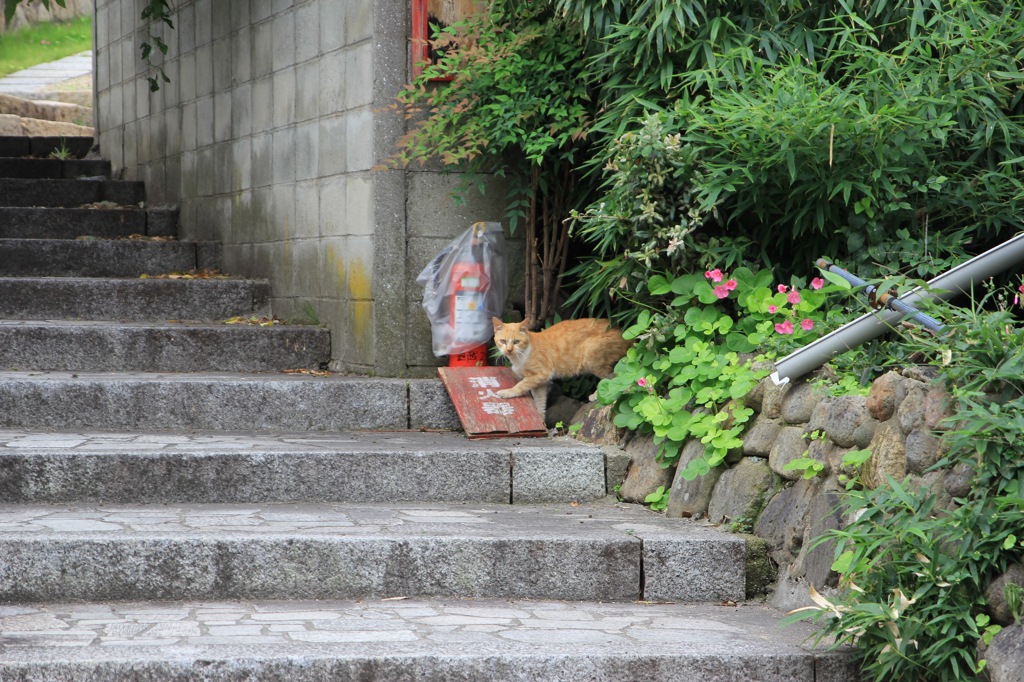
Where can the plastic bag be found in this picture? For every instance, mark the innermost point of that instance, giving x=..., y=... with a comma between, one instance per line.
x=464, y=286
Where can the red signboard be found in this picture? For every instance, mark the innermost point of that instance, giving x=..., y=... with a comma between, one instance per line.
x=483, y=414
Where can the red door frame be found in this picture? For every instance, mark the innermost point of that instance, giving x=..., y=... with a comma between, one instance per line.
x=420, y=40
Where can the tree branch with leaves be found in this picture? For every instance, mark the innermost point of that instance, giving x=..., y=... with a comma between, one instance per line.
x=519, y=104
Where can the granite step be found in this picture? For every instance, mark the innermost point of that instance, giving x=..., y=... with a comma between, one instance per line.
x=69, y=193
x=155, y=467
x=71, y=223
x=42, y=147
x=220, y=401
x=52, y=168
x=132, y=300
x=102, y=258
x=91, y=346
x=120, y=552
x=385, y=641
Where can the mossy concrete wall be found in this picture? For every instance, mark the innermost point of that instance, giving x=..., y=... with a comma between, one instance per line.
x=266, y=136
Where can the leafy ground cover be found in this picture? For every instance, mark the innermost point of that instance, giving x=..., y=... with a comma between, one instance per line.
x=44, y=43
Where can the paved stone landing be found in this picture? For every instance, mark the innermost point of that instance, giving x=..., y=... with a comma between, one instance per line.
x=410, y=640
x=233, y=466
x=125, y=552
x=40, y=76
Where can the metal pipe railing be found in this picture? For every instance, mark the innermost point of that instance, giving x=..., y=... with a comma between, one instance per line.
x=958, y=280
x=886, y=299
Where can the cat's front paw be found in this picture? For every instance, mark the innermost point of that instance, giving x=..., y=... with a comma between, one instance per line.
x=507, y=393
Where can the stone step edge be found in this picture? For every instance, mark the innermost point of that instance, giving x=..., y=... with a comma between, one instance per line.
x=43, y=146
x=158, y=221
x=89, y=346
x=396, y=468
x=132, y=299
x=379, y=403
x=103, y=566
x=206, y=255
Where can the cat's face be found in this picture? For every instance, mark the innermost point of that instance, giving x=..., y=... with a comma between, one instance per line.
x=512, y=338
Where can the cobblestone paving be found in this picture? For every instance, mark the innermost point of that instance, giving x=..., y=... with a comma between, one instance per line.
x=402, y=519
x=417, y=625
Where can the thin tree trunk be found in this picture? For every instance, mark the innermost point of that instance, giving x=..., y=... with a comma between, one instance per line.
x=532, y=298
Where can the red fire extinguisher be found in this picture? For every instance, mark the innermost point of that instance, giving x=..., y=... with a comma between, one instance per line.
x=469, y=311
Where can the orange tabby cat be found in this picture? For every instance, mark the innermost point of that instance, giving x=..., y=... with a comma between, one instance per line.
x=562, y=350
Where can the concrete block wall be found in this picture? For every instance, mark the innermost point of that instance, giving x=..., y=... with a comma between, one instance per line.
x=265, y=138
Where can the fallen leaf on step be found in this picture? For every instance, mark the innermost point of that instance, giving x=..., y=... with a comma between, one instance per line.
x=190, y=274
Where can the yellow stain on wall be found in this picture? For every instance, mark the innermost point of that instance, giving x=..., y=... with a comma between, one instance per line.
x=362, y=326
x=353, y=283
x=358, y=281
x=338, y=266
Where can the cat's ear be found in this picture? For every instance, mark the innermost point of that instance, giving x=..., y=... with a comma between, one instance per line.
x=498, y=324
x=524, y=326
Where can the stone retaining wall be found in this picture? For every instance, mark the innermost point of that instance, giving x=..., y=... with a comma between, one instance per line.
x=901, y=421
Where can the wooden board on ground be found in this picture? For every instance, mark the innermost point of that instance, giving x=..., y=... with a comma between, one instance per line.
x=483, y=414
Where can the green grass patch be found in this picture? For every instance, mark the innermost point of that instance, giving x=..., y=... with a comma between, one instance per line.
x=44, y=43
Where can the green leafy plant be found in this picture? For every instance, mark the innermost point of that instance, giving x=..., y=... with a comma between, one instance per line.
x=811, y=467
x=62, y=152
x=847, y=384
x=155, y=12
x=307, y=315
x=1014, y=596
x=684, y=377
x=573, y=428
x=658, y=499
x=742, y=524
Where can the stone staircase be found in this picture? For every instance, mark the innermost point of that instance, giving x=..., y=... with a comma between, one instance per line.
x=175, y=507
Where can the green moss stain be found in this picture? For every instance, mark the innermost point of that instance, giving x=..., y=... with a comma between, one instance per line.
x=761, y=572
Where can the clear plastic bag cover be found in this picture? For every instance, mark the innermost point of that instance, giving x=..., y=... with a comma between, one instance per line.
x=464, y=286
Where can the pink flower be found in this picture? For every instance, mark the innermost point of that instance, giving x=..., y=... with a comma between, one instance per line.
x=793, y=297
x=714, y=275
x=783, y=288
x=641, y=382
x=807, y=325
x=730, y=285
x=785, y=327
x=722, y=291
x=773, y=308
x=817, y=283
